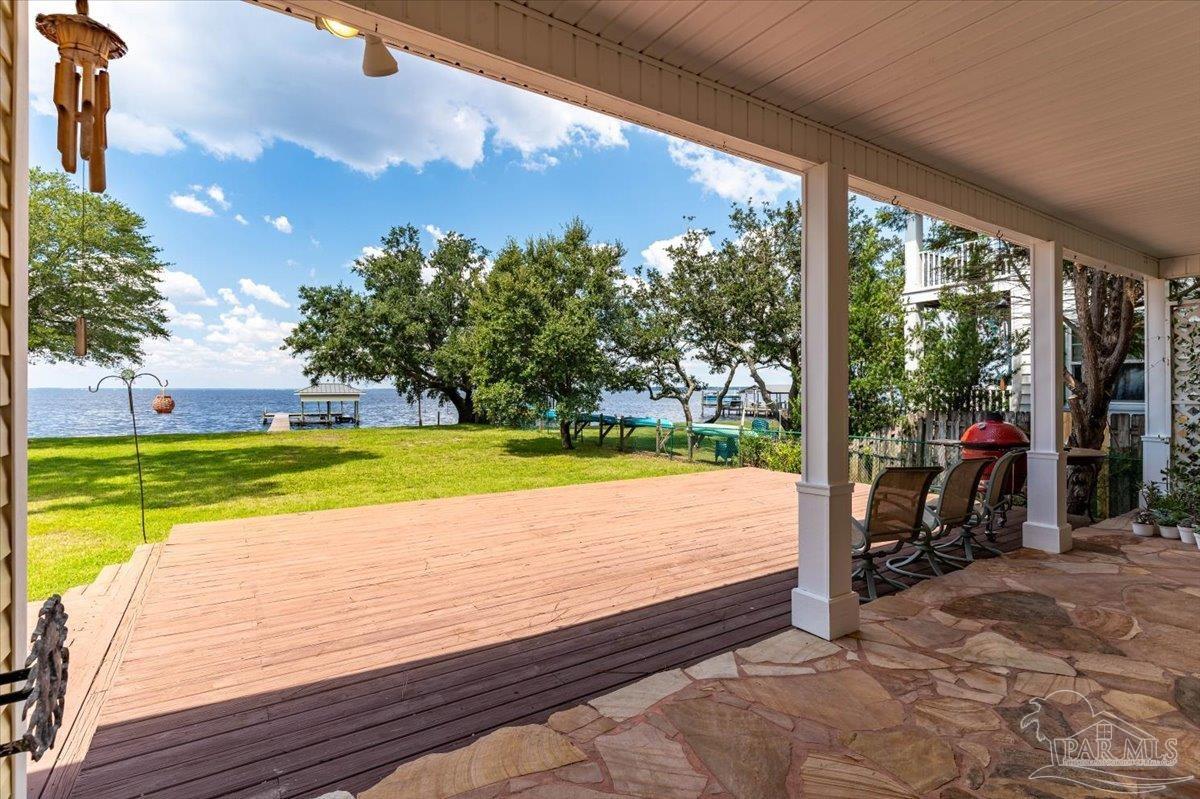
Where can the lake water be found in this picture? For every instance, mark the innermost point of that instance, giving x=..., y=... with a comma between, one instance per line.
x=76, y=412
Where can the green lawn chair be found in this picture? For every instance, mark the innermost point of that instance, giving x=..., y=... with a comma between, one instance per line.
x=725, y=449
x=760, y=426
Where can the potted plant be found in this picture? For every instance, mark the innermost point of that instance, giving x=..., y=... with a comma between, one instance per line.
x=1187, y=530
x=1168, y=521
x=1143, y=524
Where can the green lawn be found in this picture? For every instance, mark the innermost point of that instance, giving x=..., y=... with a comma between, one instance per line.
x=83, y=509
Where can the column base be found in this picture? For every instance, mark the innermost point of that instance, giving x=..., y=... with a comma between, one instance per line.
x=1046, y=537
x=828, y=618
x=1156, y=456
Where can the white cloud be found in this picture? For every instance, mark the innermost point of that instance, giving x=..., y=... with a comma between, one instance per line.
x=371, y=252
x=137, y=136
x=183, y=287
x=656, y=254
x=313, y=241
x=539, y=162
x=272, y=79
x=229, y=297
x=280, y=223
x=241, y=220
x=261, y=291
x=245, y=326
x=217, y=194
x=730, y=177
x=188, y=319
x=191, y=204
x=435, y=231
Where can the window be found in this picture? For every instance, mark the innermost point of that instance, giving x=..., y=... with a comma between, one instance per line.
x=1131, y=383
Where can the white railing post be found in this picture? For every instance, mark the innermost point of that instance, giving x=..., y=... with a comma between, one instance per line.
x=823, y=602
x=1046, y=526
x=1156, y=443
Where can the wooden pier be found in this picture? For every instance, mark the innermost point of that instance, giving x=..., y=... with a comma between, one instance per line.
x=285, y=420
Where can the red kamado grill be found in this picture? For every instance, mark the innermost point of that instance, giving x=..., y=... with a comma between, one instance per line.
x=991, y=439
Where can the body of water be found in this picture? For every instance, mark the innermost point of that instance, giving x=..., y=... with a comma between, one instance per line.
x=76, y=412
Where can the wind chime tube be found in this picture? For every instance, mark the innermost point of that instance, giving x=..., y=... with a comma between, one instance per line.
x=87, y=108
x=96, y=178
x=66, y=89
x=81, y=336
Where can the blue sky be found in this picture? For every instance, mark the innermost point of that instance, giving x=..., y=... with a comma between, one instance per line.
x=262, y=160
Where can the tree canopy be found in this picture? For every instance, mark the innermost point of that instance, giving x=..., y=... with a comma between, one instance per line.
x=877, y=375
x=967, y=341
x=546, y=329
x=89, y=256
x=406, y=326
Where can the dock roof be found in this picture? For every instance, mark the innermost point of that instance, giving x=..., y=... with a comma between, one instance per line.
x=329, y=392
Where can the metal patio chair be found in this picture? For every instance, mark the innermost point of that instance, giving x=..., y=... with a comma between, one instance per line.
x=1001, y=491
x=954, y=507
x=895, y=511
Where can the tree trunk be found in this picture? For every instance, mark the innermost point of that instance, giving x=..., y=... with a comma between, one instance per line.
x=564, y=434
x=464, y=406
x=1105, y=324
x=768, y=400
x=721, y=397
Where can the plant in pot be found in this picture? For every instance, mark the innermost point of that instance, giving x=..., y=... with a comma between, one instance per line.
x=1168, y=520
x=1144, y=524
x=1187, y=530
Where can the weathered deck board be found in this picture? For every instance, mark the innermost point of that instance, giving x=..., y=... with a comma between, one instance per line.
x=275, y=656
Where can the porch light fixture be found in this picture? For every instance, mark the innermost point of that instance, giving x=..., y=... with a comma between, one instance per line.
x=378, y=62
x=81, y=92
x=338, y=29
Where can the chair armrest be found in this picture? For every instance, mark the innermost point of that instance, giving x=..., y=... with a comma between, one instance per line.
x=858, y=535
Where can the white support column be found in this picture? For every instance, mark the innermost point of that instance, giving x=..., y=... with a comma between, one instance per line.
x=823, y=602
x=1156, y=443
x=914, y=280
x=1046, y=526
x=914, y=237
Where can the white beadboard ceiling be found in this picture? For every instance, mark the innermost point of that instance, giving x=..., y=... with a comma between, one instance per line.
x=1088, y=110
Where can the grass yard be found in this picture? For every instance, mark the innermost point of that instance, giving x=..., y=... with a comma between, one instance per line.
x=83, y=496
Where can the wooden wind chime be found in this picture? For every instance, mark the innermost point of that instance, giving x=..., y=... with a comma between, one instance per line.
x=81, y=94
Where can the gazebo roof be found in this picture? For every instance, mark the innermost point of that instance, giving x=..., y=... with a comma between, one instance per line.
x=326, y=391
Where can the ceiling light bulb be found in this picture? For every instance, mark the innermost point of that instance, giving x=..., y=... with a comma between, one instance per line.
x=377, y=61
x=338, y=29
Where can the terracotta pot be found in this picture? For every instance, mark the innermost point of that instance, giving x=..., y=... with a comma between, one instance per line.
x=163, y=403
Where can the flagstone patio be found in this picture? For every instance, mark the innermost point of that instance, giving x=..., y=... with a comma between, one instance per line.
x=932, y=697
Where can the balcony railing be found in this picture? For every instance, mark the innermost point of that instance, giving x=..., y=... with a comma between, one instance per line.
x=945, y=267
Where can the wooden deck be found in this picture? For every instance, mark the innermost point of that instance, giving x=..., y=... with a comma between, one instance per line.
x=282, y=656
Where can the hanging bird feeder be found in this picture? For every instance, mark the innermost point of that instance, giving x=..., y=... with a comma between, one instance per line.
x=163, y=403
x=81, y=90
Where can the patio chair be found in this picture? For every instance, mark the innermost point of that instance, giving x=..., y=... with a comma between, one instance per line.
x=760, y=426
x=725, y=449
x=954, y=507
x=895, y=511
x=998, y=499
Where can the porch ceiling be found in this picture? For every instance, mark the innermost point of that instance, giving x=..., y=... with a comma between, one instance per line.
x=1087, y=110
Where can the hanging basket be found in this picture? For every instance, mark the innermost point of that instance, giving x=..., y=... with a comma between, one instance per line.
x=163, y=403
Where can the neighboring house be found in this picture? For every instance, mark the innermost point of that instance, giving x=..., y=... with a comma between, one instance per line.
x=928, y=272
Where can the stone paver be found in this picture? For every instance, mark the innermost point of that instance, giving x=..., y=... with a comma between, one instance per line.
x=631, y=700
x=505, y=753
x=932, y=698
x=643, y=762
